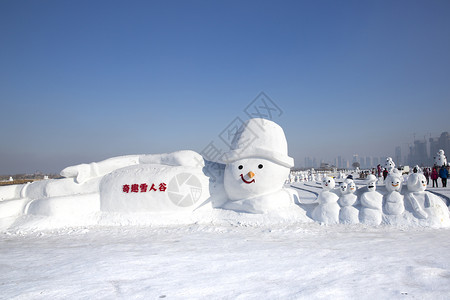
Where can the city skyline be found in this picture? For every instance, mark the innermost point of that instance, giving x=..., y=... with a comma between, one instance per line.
x=420, y=152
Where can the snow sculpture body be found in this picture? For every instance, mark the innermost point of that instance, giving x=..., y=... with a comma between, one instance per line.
x=389, y=164
x=348, y=214
x=371, y=203
x=425, y=205
x=327, y=212
x=116, y=184
x=440, y=159
x=256, y=168
x=394, y=204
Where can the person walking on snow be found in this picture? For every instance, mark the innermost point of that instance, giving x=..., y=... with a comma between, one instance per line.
x=443, y=173
x=426, y=173
x=434, y=177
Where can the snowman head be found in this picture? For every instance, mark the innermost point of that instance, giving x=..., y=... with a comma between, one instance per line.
x=389, y=164
x=371, y=183
x=252, y=177
x=343, y=188
x=351, y=186
x=328, y=183
x=441, y=152
x=417, y=182
x=393, y=182
x=257, y=162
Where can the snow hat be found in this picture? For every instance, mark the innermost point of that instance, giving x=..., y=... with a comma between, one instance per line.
x=260, y=138
x=371, y=178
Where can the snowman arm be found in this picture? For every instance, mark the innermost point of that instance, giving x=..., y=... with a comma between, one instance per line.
x=83, y=172
x=415, y=205
x=428, y=200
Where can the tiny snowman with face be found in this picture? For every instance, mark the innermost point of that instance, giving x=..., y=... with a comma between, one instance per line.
x=393, y=200
x=327, y=212
x=389, y=164
x=348, y=214
x=371, y=203
x=440, y=159
x=256, y=169
x=425, y=205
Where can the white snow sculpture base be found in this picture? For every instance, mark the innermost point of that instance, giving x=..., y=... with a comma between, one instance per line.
x=277, y=202
x=154, y=188
x=71, y=206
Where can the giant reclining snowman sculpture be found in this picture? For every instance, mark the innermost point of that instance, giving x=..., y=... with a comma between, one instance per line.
x=255, y=170
x=250, y=179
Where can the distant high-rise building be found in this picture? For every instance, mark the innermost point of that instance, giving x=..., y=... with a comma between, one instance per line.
x=418, y=154
x=368, y=162
x=398, y=156
x=375, y=161
x=362, y=163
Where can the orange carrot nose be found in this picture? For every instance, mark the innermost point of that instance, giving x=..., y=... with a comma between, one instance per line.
x=250, y=174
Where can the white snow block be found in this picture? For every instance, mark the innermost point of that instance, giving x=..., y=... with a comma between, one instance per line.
x=68, y=206
x=10, y=208
x=10, y=192
x=154, y=188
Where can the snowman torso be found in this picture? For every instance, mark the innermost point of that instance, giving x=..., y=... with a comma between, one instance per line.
x=328, y=209
x=372, y=200
x=347, y=200
x=441, y=160
x=371, y=210
x=394, y=204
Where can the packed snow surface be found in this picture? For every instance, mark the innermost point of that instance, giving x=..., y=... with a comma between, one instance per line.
x=220, y=254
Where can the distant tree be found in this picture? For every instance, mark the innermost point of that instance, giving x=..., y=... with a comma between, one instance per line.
x=355, y=164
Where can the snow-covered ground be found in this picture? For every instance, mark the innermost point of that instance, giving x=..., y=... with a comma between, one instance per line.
x=220, y=255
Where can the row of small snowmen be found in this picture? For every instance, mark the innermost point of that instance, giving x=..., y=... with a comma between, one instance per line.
x=342, y=205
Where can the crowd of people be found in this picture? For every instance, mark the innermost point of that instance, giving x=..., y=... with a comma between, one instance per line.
x=435, y=174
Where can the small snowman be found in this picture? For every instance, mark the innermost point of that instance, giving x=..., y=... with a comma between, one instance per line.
x=394, y=204
x=348, y=214
x=425, y=205
x=440, y=159
x=256, y=168
x=327, y=212
x=371, y=203
x=389, y=164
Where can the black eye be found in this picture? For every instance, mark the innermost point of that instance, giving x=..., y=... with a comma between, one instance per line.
x=260, y=166
x=240, y=167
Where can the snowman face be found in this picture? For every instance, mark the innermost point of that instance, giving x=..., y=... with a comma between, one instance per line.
x=328, y=183
x=351, y=187
x=441, y=152
x=389, y=164
x=393, y=183
x=417, y=182
x=343, y=188
x=248, y=178
x=371, y=186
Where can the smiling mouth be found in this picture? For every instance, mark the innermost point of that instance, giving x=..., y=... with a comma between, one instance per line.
x=248, y=182
x=395, y=184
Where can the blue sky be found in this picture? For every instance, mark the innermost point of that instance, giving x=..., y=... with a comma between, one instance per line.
x=82, y=81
